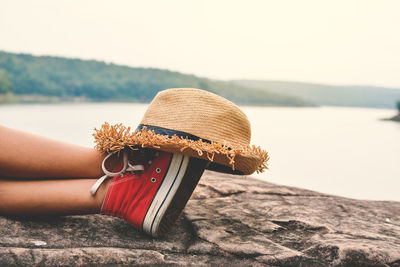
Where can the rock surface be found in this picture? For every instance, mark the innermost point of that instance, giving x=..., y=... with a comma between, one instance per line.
x=229, y=221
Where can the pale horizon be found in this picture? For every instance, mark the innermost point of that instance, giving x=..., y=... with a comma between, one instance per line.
x=337, y=43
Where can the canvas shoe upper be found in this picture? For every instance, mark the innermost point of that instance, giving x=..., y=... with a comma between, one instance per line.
x=151, y=197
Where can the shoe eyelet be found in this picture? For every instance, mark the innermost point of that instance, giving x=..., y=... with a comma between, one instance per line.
x=153, y=179
x=158, y=170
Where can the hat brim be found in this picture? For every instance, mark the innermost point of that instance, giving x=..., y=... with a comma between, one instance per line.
x=223, y=157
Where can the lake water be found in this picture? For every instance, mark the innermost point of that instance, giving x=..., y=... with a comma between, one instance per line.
x=341, y=151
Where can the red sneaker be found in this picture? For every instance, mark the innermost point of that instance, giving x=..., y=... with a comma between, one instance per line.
x=151, y=200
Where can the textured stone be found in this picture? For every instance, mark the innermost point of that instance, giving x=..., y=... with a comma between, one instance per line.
x=229, y=221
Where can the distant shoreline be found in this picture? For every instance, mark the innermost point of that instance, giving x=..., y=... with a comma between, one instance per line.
x=6, y=99
x=10, y=99
x=395, y=118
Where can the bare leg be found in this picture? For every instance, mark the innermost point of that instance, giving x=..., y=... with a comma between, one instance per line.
x=24, y=155
x=50, y=197
x=29, y=156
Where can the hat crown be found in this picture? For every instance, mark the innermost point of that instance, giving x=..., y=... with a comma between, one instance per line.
x=200, y=113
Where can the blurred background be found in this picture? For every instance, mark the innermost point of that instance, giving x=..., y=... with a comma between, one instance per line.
x=318, y=80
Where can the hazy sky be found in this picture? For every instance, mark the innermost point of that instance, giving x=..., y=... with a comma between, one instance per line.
x=338, y=42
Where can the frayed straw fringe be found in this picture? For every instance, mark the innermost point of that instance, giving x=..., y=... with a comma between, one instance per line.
x=113, y=138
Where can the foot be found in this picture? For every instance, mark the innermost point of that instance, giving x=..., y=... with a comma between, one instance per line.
x=151, y=200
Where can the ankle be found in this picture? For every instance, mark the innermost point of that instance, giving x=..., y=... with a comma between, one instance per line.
x=101, y=194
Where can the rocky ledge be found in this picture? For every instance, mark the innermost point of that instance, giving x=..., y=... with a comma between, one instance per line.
x=228, y=221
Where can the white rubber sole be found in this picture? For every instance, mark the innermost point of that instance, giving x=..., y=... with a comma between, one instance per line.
x=165, y=193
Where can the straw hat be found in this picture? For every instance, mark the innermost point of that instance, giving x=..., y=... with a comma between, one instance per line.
x=193, y=122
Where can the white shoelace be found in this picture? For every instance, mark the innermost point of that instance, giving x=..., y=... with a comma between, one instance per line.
x=127, y=167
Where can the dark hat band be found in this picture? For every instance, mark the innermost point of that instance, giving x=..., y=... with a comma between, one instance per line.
x=170, y=133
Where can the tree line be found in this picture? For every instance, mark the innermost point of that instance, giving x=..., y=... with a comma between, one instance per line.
x=25, y=74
